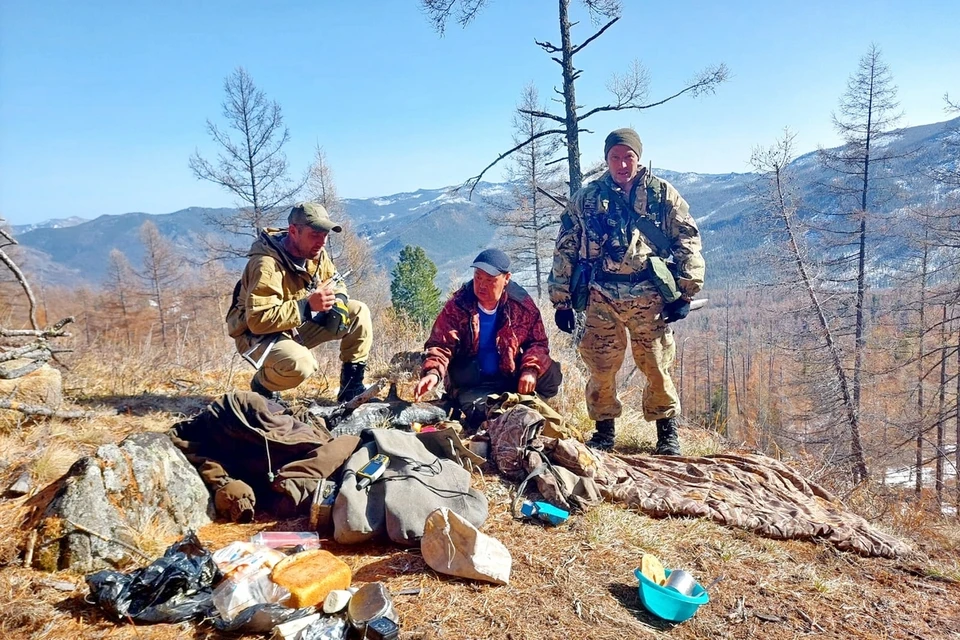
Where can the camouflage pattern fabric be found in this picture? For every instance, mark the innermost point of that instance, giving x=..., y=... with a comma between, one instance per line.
x=512, y=434
x=599, y=228
x=554, y=425
x=594, y=228
x=561, y=487
x=751, y=492
x=603, y=349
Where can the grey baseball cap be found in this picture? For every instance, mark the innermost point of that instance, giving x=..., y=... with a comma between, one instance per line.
x=313, y=215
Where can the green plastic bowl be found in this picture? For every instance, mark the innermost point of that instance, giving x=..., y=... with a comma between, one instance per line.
x=667, y=603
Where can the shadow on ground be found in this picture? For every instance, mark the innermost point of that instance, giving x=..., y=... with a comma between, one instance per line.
x=146, y=403
x=628, y=597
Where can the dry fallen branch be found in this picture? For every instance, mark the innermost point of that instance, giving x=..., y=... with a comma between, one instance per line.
x=37, y=349
x=55, y=331
x=35, y=410
x=19, y=372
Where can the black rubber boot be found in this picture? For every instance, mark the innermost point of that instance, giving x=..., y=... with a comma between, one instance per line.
x=602, y=438
x=257, y=387
x=668, y=444
x=351, y=381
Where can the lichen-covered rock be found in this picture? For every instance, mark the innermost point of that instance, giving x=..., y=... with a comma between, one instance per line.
x=109, y=505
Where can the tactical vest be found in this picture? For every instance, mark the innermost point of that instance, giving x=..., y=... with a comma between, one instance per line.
x=621, y=219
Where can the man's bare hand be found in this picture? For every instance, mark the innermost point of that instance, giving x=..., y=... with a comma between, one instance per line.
x=425, y=385
x=527, y=383
x=323, y=298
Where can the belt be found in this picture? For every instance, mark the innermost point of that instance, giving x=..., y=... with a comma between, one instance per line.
x=638, y=276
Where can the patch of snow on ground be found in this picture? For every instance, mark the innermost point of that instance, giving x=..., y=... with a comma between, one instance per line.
x=907, y=476
x=381, y=202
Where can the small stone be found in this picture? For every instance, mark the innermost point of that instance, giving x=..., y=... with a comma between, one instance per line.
x=21, y=486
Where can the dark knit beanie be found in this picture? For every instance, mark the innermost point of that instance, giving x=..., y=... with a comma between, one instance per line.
x=627, y=137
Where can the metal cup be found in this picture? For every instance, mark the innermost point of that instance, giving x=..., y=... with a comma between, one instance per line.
x=681, y=581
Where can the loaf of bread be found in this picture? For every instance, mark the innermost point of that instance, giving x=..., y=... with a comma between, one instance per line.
x=310, y=575
x=652, y=568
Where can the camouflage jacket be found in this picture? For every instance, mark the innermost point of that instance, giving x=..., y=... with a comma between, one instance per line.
x=595, y=228
x=272, y=293
x=521, y=338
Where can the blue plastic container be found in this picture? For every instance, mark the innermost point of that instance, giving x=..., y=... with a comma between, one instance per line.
x=667, y=603
x=544, y=511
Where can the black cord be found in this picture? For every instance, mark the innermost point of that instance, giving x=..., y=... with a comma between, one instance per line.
x=443, y=493
x=431, y=469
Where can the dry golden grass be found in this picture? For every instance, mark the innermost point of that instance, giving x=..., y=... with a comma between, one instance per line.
x=575, y=580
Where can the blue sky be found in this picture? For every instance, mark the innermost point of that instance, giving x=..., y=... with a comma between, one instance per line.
x=102, y=103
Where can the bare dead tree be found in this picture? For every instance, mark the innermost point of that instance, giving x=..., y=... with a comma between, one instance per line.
x=348, y=250
x=779, y=201
x=161, y=272
x=868, y=114
x=119, y=280
x=629, y=91
x=924, y=276
x=948, y=174
x=252, y=166
x=527, y=221
x=320, y=186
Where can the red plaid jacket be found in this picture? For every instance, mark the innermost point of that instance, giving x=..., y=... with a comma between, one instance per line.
x=521, y=338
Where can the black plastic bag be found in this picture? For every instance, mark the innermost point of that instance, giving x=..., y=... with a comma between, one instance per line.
x=173, y=588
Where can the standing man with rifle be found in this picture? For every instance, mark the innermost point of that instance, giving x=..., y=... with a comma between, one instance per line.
x=289, y=300
x=627, y=253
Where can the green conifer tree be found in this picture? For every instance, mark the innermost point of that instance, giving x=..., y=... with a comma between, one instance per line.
x=412, y=291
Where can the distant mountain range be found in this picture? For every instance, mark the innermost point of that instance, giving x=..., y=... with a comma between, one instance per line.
x=453, y=229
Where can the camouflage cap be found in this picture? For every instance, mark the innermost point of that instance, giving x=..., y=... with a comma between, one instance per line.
x=313, y=215
x=627, y=137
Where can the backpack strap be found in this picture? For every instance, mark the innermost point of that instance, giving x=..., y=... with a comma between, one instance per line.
x=647, y=227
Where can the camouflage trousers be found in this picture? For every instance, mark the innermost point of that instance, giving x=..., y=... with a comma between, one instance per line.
x=290, y=361
x=603, y=348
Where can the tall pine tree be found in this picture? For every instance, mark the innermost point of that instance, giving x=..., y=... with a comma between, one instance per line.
x=412, y=291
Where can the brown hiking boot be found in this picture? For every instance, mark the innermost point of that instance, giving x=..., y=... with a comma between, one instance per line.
x=668, y=444
x=602, y=439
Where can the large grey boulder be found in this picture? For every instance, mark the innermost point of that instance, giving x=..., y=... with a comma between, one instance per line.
x=108, y=505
